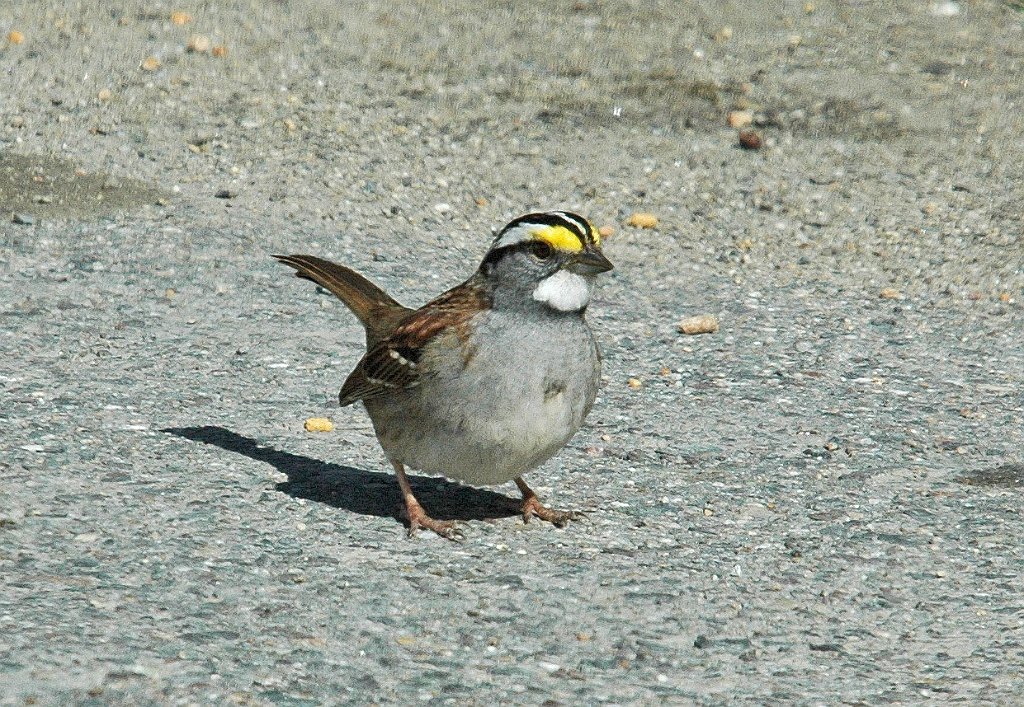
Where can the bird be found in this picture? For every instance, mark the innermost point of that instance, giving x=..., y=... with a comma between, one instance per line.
x=488, y=380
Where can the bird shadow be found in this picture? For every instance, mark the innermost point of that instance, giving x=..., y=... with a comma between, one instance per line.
x=357, y=490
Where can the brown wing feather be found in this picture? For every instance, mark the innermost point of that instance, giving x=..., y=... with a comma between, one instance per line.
x=394, y=363
x=376, y=309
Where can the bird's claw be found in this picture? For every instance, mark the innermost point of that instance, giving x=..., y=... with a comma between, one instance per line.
x=533, y=507
x=447, y=529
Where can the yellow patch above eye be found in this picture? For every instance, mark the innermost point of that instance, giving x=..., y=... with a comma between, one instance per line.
x=558, y=237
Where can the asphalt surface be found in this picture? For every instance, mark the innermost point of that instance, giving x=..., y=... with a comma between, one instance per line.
x=818, y=504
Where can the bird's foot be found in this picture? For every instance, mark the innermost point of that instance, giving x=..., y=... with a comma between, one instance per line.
x=532, y=507
x=418, y=518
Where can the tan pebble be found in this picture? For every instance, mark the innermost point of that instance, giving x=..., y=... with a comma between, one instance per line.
x=198, y=43
x=105, y=94
x=318, y=424
x=180, y=18
x=700, y=324
x=606, y=438
x=1005, y=297
x=750, y=140
x=606, y=231
x=289, y=125
x=665, y=371
x=150, y=63
x=634, y=383
x=709, y=512
x=809, y=8
x=724, y=34
x=405, y=640
x=169, y=293
x=889, y=293
x=15, y=37
x=480, y=201
x=929, y=208
x=219, y=51
x=642, y=220
x=974, y=296
x=583, y=637
x=740, y=118
x=746, y=244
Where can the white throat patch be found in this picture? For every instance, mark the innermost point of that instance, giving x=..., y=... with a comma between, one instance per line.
x=564, y=291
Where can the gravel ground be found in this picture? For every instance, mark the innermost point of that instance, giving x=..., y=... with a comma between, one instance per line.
x=820, y=503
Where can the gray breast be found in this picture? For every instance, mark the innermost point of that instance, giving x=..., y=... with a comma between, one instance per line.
x=516, y=402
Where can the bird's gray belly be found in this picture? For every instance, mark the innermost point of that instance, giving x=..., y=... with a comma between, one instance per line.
x=525, y=405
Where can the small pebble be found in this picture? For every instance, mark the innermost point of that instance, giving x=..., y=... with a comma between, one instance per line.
x=750, y=140
x=740, y=118
x=889, y=293
x=634, y=383
x=104, y=95
x=700, y=324
x=226, y=194
x=219, y=51
x=1004, y=297
x=180, y=18
x=724, y=34
x=945, y=9
x=150, y=63
x=23, y=219
x=318, y=424
x=198, y=43
x=15, y=37
x=606, y=231
x=641, y=219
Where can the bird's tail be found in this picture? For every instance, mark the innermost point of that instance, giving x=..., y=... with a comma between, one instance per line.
x=374, y=307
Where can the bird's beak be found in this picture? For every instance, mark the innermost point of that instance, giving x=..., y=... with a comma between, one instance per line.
x=589, y=262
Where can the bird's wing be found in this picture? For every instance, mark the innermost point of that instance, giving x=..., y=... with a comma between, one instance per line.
x=396, y=362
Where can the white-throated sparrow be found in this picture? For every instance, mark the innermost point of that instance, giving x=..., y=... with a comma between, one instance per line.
x=491, y=378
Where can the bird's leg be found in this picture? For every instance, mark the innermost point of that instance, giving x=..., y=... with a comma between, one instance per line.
x=418, y=517
x=532, y=507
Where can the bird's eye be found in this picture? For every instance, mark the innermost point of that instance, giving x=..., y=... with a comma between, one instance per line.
x=541, y=250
